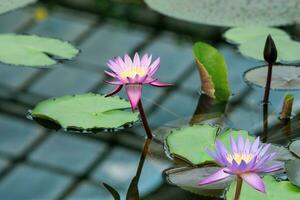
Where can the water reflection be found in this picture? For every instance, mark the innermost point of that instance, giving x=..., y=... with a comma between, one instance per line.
x=133, y=190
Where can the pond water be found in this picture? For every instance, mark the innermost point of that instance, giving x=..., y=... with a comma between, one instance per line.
x=38, y=163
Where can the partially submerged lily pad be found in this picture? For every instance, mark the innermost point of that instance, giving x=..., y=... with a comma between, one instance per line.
x=295, y=148
x=284, y=77
x=187, y=178
x=274, y=191
x=191, y=142
x=34, y=51
x=86, y=112
x=213, y=71
x=239, y=35
x=288, y=50
x=293, y=171
x=230, y=13
x=8, y=5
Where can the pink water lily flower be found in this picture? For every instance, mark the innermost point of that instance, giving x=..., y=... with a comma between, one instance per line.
x=133, y=74
x=245, y=160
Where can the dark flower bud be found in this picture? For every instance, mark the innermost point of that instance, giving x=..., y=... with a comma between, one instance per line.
x=270, y=51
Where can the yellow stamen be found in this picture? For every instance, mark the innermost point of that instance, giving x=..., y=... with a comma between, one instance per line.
x=239, y=157
x=132, y=72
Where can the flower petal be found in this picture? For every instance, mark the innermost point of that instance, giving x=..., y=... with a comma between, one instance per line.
x=136, y=60
x=144, y=60
x=247, y=146
x=269, y=169
x=116, y=90
x=255, y=145
x=219, y=175
x=114, y=82
x=240, y=143
x=154, y=67
x=134, y=92
x=254, y=181
x=233, y=145
x=160, y=84
x=127, y=60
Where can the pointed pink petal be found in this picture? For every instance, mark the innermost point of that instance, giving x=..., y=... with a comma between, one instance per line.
x=114, y=91
x=113, y=66
x=219, y=175
x=154, y=67
x=136, y=60
x=144, y=60
x=254, y=181
x=127, y=60
x=147, y=64
x=110, y=73
x=221, y=147
x=134, y=93
x=160, y=84
x=114, y=82
x=270, y=169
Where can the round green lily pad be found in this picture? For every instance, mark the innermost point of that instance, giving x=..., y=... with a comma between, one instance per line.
x=191, y=142
x=230, y=13
x=284, y=77
x=274, y=191
x=8, y=5
x=34, y=51
x=85, y=112
x=239, y=35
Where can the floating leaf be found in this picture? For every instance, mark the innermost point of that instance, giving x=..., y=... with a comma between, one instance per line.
x=225, y=136
x=213, y=71
x=239, y=35
x=8, y=5
x=293, y=171
x=86, y=112
x=31, y=50
x=295, y=148
x=275, y=191
x=284, y=77
x=288, y=50
x=187, y=178
x=230, y=13
x=191, y=142
x=282, y=153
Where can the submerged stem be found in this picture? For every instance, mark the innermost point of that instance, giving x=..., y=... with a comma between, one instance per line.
x=268, y=84
x=144, y=120
x=239, y=183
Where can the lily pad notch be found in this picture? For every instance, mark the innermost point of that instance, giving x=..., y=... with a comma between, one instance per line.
x=85, y=113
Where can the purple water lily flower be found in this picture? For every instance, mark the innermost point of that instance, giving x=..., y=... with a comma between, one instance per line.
x=245, y=160
x=133, y=74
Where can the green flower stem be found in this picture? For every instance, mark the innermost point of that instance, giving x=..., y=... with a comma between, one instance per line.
x=144, y=120
x=239, y=183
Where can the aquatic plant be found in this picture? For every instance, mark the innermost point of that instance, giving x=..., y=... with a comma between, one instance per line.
x=134, y=73
x=245, y=160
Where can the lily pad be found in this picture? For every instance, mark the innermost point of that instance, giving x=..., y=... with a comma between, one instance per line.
x=275, y=191
x=191, y=142
x=239, y=35
x=295, y=148
x=86, y=112
x=213, y=71
x=8, y=5
x=34, y=51
x=187, y=178
x=284, y=77
x=288, y=50
x=293, y=171
x=231, y=13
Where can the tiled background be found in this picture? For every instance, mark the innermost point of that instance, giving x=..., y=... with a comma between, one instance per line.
x=36, y=163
